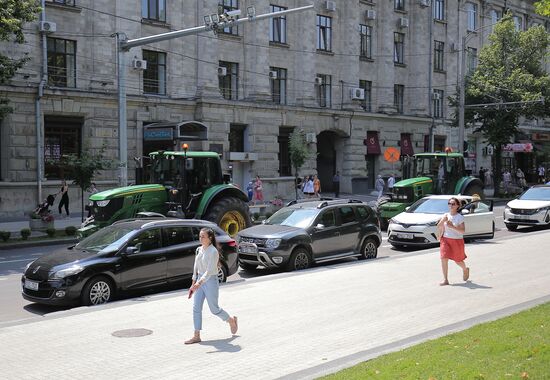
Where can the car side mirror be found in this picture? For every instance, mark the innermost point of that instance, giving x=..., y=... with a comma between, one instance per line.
x=320, y=226
x=407, y=208
x=464, y=212
x=131, y=250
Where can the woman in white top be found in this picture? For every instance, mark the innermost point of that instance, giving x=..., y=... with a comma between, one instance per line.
x=205, y=284
x=452, y=228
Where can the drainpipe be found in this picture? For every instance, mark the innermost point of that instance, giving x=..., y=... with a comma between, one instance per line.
x=430, y=77
x=43, y=78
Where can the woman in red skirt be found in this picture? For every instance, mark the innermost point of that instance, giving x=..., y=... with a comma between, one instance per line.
x=452, y=241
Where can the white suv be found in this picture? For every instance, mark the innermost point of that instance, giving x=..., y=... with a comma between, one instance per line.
x=532, y=208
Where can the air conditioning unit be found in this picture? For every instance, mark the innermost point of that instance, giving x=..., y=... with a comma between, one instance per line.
x=357, y=93
x=272, y=75
x=330, y=6
x=403, y=22
x=222, y=71
x=436, y=96
x=47, y=26
x=318, y=81
x=311, y=137
x=370, y=14
x=139, y=64
x=424, y=3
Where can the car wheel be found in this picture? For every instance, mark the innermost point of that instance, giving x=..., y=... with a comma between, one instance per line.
x=299, y=260
x=222, y=274
x=97, y=291
x=511, y=227
x=369, y=250
x=248, y=267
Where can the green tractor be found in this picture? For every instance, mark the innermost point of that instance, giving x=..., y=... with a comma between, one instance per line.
x=428, y=173
x=182, y=184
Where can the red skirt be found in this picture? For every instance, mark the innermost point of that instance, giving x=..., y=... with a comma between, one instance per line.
x=452, y=249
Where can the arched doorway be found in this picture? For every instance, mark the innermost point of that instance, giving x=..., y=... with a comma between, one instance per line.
x=326, y=159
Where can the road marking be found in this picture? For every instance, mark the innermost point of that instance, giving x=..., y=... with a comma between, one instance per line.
x=14, y=261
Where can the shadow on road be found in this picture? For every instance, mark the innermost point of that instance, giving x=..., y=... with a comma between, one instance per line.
x=472, y=285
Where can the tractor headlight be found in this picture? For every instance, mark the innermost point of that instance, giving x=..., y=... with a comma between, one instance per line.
x=103, y=203
x=272, y=243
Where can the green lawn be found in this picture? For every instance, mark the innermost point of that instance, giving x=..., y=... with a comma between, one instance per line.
x=515, y=347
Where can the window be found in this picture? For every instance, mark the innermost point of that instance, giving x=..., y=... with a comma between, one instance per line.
x=146, y=241
x=363, y=212
x=472, y=59
x=439, y=9
x=61, y=62
x=438, y=99
x=328, y=218
x=278, y=85
x=229, y=83
x=367, y=86
x=366, y=41
x=154, y=77
x=398, y=48
x=346, y=214
x=178, y=235
x=236, y=137
x=439, y=55
x=518, y=23
x=285, y=165
x=471, y=9
x=153, y=10
x=324, y=91
x=324, y=33
x=277, y=26
x=62, y=136
x=398, y=97
x=64, y=2
x=399, y=5
x=227, y=6
x=495, y=17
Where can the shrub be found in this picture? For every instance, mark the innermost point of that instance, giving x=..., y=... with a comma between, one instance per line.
x=25, y=233
x=70, y=230
x=5, y=235
x=50, y=232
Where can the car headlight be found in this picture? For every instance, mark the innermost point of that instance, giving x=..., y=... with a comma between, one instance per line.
x=103, y=203
x=543, y=209
x=434, y=223
x=507, y=208
x=62, y=273
x=272, y=243
x=392, y=220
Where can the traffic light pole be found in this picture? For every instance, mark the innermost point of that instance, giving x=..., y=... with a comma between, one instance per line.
x=124, y=45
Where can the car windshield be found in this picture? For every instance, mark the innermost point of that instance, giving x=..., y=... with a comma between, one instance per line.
x=536, y=194
x=293, y=217
x=107, y=239
x=430, y=206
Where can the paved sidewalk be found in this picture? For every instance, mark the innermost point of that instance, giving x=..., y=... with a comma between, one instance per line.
x=294, y=325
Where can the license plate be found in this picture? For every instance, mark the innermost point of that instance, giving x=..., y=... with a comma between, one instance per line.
x=522, y=217
x=32, y=285
x=405, y=236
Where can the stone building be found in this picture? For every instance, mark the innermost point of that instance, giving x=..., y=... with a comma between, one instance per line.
x=356, y=76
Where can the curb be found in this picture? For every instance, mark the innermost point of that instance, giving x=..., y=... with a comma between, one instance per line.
x=36, y=243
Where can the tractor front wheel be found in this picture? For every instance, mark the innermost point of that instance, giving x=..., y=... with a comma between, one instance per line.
x=230, y=213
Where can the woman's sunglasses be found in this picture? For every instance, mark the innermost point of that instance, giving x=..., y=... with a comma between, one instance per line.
x=451, y=204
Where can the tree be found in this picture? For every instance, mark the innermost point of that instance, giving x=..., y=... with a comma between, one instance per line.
x=299, y=153
x=542, y=7
x=13, y=15
x=510, y=72
x=84, y=168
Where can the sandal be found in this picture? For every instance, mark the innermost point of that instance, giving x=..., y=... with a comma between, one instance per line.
x=193, y=340
x=234, y=327
x=466, y=274
x=443, y=283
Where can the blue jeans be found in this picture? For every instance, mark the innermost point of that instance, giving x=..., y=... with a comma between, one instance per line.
x=210, y=291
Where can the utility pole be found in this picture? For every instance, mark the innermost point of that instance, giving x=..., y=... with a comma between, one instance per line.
x=213, y=22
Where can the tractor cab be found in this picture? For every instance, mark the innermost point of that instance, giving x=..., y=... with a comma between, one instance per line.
x=443, y=170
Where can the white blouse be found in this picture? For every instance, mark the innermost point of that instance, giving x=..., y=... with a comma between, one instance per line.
x=456, y=220
x=206, y=263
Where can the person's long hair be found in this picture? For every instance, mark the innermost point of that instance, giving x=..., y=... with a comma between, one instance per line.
x=212, y=237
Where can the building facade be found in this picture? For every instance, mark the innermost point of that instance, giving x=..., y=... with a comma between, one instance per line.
x=356, y=76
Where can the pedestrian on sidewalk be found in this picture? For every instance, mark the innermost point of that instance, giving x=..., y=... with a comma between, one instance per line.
x=64, y=197
x=205, y=284
x=308, y=187
x=379, y=186
x=316, y=186
x=250, y=191
x=336, y=184
x=506, y=178
x=451, y=228
x=258, y=190
x=391, y=182
x=92, y=190
x=542, y=173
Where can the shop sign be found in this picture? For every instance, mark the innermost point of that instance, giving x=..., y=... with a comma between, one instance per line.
x=540, y=136
x=157, y=134
x=518, y=147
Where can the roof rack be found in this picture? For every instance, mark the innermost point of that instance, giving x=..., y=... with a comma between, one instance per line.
x=338, y=201
x=304, y=200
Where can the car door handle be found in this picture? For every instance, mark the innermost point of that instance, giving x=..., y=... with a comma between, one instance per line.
x=159, y=259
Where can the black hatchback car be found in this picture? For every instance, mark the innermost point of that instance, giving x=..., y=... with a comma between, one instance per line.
x=310, y=232
x=128, y=255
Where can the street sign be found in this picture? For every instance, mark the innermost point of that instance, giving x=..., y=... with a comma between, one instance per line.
x=391, y=154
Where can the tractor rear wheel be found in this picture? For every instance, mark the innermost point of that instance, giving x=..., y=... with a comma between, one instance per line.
x=230, y=213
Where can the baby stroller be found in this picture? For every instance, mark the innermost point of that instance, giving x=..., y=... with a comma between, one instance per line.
x=43, y=208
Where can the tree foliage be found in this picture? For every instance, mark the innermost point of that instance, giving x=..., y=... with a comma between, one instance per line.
x=542, y=7
x=299, y=152
x=13, y=15
x=511, y=72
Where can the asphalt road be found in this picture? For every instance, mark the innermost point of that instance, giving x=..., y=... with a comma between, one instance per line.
x=14, y=308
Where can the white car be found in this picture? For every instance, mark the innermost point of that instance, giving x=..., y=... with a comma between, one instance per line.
x=418, y=224
x=532, y=208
